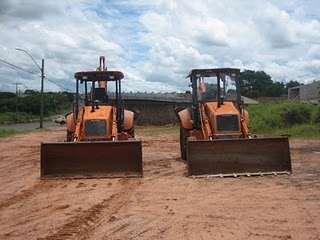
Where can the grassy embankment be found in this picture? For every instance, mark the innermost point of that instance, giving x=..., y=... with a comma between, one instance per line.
x=293, y=119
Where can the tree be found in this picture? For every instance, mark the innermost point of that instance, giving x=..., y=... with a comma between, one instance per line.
x=55, y=102
x=30, y=104
x=276, y=89
x=292, y=84
x=254, y=83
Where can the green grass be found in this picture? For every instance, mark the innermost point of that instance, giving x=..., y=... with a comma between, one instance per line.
x=293, y=119
x=11, y=132
x=310, y=131
x=11, y=118
x=156, y=131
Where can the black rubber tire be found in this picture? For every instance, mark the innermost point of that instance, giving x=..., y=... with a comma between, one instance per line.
x=184, y=133
x=69, y=134
x=131, y=132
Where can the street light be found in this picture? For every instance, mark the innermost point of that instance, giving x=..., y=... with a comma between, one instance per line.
x=42, y=78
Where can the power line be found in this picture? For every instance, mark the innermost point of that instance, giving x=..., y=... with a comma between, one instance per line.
x=58, y=85
x=14, y=66
x=52, y=69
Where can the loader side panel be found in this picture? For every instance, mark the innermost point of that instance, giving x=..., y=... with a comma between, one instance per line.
x=234, y=157
x=91, y=159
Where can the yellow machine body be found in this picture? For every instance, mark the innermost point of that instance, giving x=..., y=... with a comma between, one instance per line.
x=215, y=138
x=100, y=135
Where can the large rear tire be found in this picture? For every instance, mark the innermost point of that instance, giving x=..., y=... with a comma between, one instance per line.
x=184, y=133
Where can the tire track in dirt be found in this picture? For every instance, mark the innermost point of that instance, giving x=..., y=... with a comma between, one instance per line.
x=160, y=162
x=24, y=151
x=166, y=163
x=11, y=161
x=83, y=224
x=158, y=169
x=39, y=187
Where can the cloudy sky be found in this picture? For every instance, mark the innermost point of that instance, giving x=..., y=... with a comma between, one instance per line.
x=156, y=43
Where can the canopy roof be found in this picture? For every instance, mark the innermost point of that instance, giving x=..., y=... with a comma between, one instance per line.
x=90, y=76
x=210, y=72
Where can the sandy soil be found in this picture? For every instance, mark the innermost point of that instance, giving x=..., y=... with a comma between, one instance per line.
x=164, y=204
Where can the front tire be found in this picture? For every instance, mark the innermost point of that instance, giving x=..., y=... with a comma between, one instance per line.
x=131, y=132
x=69, y=135
x=184, y=134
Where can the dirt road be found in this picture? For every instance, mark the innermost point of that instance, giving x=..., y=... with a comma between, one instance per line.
x=164, y=204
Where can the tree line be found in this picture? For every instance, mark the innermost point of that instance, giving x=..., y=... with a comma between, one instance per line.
x=256, y=84
x=29, y=102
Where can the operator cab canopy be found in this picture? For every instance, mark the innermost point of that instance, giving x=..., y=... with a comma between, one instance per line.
x=212, y=72
x=215, y=84
x=91, y=76
x=99, y=94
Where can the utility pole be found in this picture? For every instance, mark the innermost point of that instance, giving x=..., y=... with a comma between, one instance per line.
x=42, y=82
x=41, y=96
x=17, y=90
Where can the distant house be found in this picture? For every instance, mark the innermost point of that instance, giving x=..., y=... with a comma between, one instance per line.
x=305, y=93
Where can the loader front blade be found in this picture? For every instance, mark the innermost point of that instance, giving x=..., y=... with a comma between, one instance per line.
x=233, y=157
x=91, y=159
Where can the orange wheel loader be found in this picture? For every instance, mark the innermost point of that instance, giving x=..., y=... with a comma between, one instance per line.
x=214, y=133
x=100, y=133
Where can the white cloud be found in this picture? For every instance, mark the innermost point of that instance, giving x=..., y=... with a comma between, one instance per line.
x=156, y=43
x=211, y=31
x=275, y=26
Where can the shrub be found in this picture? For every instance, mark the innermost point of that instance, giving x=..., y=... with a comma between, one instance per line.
x=316, y=115
x=8, y=118
x=264, y=117
x=297, y=113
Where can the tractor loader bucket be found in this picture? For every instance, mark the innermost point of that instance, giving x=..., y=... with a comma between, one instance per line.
x=236, y=157
x=98, y=159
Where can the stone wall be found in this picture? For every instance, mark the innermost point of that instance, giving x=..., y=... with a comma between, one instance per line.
x=154, y=112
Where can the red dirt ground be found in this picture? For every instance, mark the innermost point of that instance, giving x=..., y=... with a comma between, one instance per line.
x=164, y=204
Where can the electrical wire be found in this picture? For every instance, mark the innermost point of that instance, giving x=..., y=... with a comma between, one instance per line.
x=58, y=85
x=25, y=70
x=14, y=66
